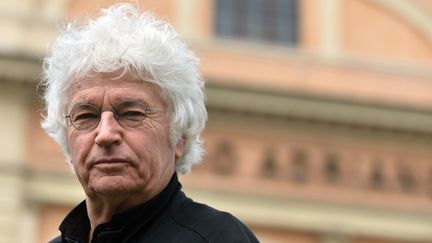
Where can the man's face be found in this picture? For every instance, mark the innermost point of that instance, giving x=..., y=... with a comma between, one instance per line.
x=114, y=160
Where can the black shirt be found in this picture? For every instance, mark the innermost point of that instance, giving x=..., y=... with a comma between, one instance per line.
x=168, y=217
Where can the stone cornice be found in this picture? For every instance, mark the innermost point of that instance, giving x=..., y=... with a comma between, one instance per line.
x=19, y=67
x=54, y=187
x=318, y=109
x=319, y=217
x=258, y=50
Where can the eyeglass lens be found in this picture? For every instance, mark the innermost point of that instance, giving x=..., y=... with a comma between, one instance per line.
x=127, y=113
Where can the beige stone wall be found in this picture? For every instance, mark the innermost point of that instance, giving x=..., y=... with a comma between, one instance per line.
x=356, y=90
x=384, y=34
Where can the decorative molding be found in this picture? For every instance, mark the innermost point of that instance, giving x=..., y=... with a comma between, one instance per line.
x=20, y=67
x=53, y=188
x=315, y=109
x=319, y=217
x=262, y=50
x=325, y=218
x=14, y=104
x=411, y=13
x=354, y=172
x=186, y=11
x=330, y=28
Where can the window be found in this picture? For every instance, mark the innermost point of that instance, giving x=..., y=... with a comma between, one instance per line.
x=270, y=20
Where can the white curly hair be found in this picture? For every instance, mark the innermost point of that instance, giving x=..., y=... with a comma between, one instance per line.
x=123, y=38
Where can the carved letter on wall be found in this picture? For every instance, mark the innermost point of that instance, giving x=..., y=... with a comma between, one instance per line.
x=377, y=179
x=332, y=171
x=269, y=168
x=406, y=179
x=224, y=158
x=299, y=169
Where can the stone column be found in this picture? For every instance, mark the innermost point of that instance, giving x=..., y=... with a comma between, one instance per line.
x=13, y=118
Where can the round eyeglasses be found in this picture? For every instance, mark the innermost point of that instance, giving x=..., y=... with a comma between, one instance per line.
x=129, y=114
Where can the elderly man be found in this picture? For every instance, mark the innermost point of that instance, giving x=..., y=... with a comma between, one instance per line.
x=124, y=99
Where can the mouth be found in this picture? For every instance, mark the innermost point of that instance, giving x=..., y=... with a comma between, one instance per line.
x=110, y=163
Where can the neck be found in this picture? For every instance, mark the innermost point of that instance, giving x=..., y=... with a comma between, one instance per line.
x=101, y=211
x=101, y=208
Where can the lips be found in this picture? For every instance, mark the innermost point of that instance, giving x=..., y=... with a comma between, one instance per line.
x=110, y=162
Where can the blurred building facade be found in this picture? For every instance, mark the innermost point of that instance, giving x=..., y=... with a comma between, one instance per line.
x=320, y=116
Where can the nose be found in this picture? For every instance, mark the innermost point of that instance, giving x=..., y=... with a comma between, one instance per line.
x=108, y=130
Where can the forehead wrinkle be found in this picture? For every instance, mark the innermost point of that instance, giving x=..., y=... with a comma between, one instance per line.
x=114, y=90
x=86, y=97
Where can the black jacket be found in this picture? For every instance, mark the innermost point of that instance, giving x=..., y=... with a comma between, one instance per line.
x=167, y=218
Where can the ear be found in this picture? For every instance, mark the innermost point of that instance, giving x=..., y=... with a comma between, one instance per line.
x=180, y=148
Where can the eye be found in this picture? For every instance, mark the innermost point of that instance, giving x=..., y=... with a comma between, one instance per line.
x=131, y=113
x=134, y=115
x=85, y=116
x=131, y=110
x=84, y=113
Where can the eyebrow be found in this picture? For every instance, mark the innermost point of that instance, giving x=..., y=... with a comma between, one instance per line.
x=133, y=100
x=82, y=103
x=116, y=103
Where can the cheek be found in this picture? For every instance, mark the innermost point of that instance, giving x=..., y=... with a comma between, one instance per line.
x=79, y=145
x=153, y=151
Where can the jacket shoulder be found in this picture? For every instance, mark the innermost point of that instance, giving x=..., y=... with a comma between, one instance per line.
x=211, y=224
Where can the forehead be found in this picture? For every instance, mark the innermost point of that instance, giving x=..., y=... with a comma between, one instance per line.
x=100, y=88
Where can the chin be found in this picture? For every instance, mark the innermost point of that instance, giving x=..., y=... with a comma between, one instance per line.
x=113, y=187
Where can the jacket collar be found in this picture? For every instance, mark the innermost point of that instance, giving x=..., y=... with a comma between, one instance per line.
x=76, y=226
